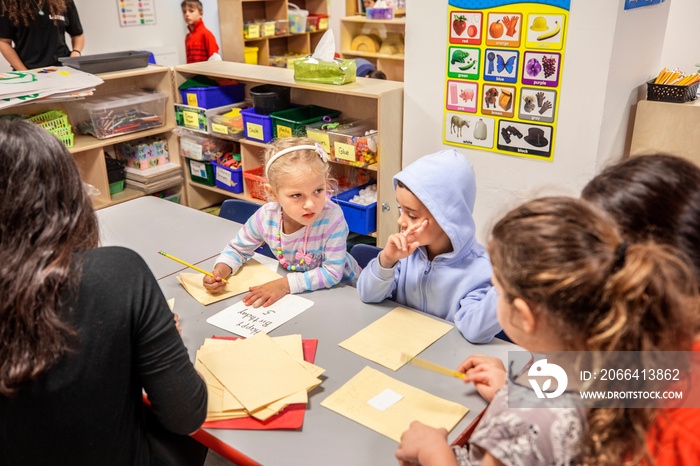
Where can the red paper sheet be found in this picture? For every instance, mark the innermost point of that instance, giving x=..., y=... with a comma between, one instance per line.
x=291, y=417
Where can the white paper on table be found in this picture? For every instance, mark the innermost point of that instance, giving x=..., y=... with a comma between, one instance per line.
x=247, y=321
x=385, y=399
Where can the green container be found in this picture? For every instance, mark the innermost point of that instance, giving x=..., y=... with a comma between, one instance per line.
x=116, y=187
x=201, y=171
x=292, y=122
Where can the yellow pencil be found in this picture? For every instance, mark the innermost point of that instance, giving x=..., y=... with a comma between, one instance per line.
x=660, y=76
x=423, y=364
x=188, y=265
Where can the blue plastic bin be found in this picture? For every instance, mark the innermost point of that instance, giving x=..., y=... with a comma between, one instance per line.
x=230, y=179
x=215, y=96
x=257, y=127
x=361, y=219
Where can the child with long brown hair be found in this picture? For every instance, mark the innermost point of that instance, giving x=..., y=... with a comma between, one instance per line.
x=567, y=281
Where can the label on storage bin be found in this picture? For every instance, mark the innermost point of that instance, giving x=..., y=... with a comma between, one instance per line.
x=253, y=31
x=323, y=23
x=345, y=151
x=192, y=100
x=321, y=138
x=198, y=169
x=224, y=176
x=255, y=131
x=191, y=149
x=269, y=29
x=191, y=119
x=284, y=131
x=217, y=128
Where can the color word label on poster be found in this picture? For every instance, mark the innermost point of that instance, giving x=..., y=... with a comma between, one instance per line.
x=136, y=13
x=504, y=68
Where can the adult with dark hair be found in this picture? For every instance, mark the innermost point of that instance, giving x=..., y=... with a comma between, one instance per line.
x=38, y=30
x=657, y=197
x=84, y=329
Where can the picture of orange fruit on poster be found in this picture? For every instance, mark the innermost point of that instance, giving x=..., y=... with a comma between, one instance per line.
x=504, y=29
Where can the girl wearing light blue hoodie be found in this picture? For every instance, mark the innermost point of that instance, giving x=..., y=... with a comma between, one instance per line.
x=435, y=263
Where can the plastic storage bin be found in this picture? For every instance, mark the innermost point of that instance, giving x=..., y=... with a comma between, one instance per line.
x=297, y=19
x=267, y=28
x=353, y=141
x=215, y=96
x=200, y=171
x=320, y=20
x=118, y=112
x=251, y=55
x=670, y=93
x=115, y=175
x=270, y=98
x=361, y=219
x=255, y=180
x=230, y=179
x=257, y=127
x=200, y=147
x=380, y=13
x=293, y=122
x=312, y=23
x=251, y=30
x=227, y=122
x=281, y=27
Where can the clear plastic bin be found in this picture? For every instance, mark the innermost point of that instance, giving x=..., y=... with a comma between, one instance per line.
x=281, y=27
x=196, y=146
x=118, y=112
x=227, y=122
x=297, y=19
x=353, y=142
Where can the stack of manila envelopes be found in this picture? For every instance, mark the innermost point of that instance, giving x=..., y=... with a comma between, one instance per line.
x=255, y=377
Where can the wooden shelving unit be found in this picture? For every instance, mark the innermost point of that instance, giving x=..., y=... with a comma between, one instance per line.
x=374, y=99
x=234, y=13
x=355, y=24
x=88, y=151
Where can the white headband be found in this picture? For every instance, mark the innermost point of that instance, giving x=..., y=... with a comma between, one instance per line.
x=316, y=147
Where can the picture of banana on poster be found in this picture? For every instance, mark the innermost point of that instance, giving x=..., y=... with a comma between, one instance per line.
x=504, y=64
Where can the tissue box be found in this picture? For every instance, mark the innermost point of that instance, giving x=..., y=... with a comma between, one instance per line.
x=338, y=71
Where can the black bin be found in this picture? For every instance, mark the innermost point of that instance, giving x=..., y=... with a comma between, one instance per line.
x=269, y=98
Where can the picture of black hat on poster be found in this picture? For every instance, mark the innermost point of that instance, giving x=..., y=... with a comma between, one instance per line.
x=469, y=130
x=537, y=104
x=523, y=138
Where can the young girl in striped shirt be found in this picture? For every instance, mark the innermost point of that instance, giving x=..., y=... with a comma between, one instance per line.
x=304, y=229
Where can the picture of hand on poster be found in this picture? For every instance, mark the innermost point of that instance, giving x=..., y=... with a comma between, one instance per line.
x=465, y=27
x=541, y=69
x=537, y=104
x=522, y=138
x=504, y=29
x=545, y=31
x=469, y=130
x=499, y=101
x=463, y=62
x=501, y=65
x=462, y=96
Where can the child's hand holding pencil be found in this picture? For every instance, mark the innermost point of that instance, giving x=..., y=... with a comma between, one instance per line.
x=488, y=374
x=215, y=282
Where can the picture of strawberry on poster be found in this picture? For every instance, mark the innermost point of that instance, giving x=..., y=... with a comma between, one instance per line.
x=503, y=29
x=501, y=65
x=462, y=96
x=545, y=31
x=469, y=130
x=523, y=138
x=465, y=27
x=537, y=104
x=463, y=62
x=541, y=69
x=499, y=100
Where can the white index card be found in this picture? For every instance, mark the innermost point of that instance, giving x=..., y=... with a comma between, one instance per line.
x=385, y=399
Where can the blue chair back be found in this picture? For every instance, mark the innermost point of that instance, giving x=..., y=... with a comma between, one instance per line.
x=363, y=253
x=238, y=210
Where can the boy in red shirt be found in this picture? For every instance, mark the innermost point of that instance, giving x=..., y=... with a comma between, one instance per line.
x=200, y=43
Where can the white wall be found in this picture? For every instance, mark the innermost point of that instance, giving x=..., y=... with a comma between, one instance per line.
x=682, y=40
x=599, y=78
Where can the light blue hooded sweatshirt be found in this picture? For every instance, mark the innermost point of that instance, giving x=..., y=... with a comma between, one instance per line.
x=455, y=286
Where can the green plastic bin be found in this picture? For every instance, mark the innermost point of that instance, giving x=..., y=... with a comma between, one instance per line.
x=201, y=171
x=292, y=122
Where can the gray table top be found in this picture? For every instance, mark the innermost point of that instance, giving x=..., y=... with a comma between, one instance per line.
x=326, y=437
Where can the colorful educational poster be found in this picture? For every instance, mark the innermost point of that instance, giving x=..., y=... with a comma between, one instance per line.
x=504, y=68
x=136, y=12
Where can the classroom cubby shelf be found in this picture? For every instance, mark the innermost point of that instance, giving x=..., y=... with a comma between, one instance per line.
x=88, y=151
x=375, y=99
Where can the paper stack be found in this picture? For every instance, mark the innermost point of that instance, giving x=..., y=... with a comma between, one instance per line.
x=54, y=82
x=154, y=179
x=255, y=377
